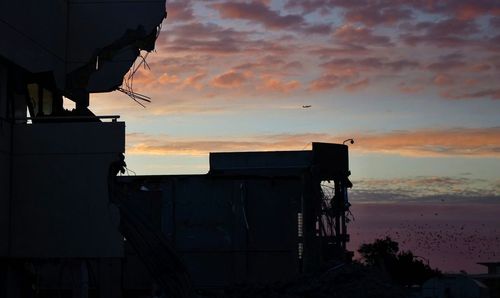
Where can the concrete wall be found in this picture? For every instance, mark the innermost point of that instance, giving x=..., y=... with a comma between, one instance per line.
x=60, y=197
x=230, y=229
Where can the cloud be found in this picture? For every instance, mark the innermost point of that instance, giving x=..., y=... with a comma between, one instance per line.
x=390, y=12
x=356, y=86
x=346, y=72
x=327, y=81
x=495, y=22
x=277, y=85
x=466, y=142
x=410, y=88
x=443, y=80
x=445, y=33
x=277, y=65
x=180, y=11
x=168, y=79
x=371, y=15
x=258, y=12
x=369, y=43
x=324, y=52
x=426, y=189
x=459, y=141
x=231, y=79
x=194, y=81
x=446, y=65
x=212, y=39
x=493, y=94
x=479, y=67
x=370, y=63
x=349, y=34
x=160, y=145
x=463, y=9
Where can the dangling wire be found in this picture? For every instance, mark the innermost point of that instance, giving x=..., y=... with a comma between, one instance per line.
x=128, y=81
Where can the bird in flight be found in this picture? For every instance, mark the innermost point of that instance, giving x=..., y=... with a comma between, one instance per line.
x=306, y=106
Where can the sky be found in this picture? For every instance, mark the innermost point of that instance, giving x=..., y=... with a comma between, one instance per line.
x=414, y=83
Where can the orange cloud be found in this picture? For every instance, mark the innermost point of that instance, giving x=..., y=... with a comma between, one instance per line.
x=194, y=81
x=466, y=142
x=429, y=142
x=277, y=85
x=410, y=89
x=480, y=67
x=168, y=79
x=442, y=80
x=229, y=79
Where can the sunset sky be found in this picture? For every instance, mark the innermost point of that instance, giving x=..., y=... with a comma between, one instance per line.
x=415, y=83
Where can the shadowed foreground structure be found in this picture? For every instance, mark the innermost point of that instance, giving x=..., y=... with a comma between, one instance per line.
x=71, y=228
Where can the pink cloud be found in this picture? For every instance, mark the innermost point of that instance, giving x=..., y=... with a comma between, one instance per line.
x=231, y=79
x=372, y=15
x=443, y=80
x=324, y=52
x=479, y=67
x=356, y=86
x=194, y=81
x=274, y=84
x=350, y=34
x=180, y=11
x=168, y=79
x=410, y=88
x=447, y=63
x=445, y=33
x=326, y=82
x=257, y=12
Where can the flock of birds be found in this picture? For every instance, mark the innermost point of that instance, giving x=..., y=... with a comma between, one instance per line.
x=447, y=237
x=447, y=241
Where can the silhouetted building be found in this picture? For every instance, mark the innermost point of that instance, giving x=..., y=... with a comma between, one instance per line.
x=454, y=286
x=255, y=217
x=492, y=278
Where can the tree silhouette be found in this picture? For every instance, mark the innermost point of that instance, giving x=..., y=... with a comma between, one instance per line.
x=403, y=267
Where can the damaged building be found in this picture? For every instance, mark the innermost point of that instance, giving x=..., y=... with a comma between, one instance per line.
x=71, y=226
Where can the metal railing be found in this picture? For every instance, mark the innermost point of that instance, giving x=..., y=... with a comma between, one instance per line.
x=52, y=119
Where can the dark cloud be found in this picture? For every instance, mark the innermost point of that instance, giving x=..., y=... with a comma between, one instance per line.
x=326, y=81
x=370, y=63
x=426, y=189
x=347, y=49
x=349, y=34
x=196, y=37
x=180, y=11
x=371, y=15
x=493, y=94
x=446, y=65
x=495, y=22
x=317, y=29
x=445, y=33
x=391, y=11
x=258, y=12
x=346, y=72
